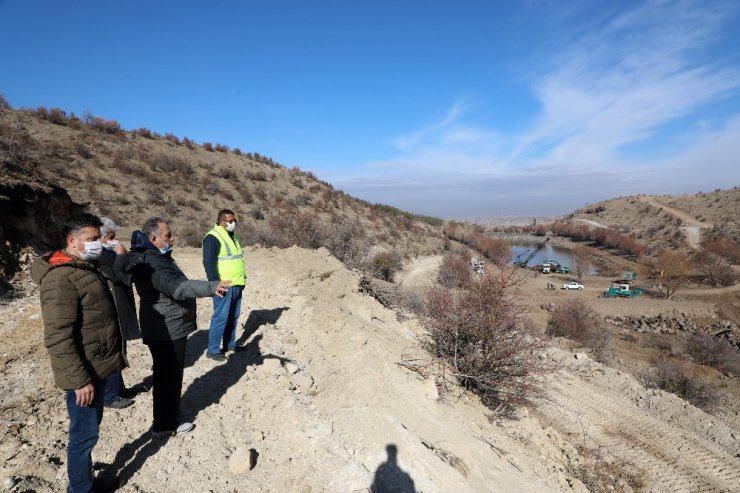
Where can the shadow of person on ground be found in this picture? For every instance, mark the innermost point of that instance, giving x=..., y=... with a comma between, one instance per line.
x=209, y=388
x=132, y=456
x=258, y=318
x=389, y=478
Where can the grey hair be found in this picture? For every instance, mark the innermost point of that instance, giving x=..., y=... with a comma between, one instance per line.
x=109, y=225
x=151, y=225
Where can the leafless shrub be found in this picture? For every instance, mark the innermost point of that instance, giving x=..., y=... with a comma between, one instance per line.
x=305, y=230
x=712, y=351
x=484, y=339
x=455, y=271
x=221, y=148
x=172, y=138
x=4, y=104
x=256, y=175
x=256, y=214
x=190, y=144
x=577, y=321
x=347, y=241
x=101, y=124
x=384, y=265
x=246, y=195
x=208, y=146
x=673, y=376
x=144, y=132
x=82, y=150
x=716, y=269
x=212, y=188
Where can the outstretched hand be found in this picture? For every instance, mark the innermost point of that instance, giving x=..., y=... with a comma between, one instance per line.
x=222, y=288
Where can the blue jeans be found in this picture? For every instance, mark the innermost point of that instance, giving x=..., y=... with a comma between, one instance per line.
x=113, y=385
x=84, y=423
x=223, y=322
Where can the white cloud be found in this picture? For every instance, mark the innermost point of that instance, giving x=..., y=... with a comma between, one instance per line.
x=618, y=83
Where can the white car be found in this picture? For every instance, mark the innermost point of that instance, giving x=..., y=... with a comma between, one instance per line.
x=572, y=285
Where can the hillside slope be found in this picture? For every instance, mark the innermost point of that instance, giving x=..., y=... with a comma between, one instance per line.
x=131, y=175
x=319, y=401
x=670, y=221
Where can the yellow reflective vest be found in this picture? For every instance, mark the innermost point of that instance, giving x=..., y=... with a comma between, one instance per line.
x=230, y=261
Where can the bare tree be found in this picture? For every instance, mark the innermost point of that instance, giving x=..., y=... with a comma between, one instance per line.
x=581, y=257
x=672, y=270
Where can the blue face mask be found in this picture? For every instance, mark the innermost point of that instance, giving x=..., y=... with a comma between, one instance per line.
x=166, y=248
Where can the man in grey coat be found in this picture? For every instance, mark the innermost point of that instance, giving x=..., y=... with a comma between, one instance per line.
x=167, y=314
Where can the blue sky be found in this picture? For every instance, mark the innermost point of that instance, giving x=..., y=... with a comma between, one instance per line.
x=456, y=109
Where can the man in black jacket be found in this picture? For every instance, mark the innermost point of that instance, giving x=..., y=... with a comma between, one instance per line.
x=167, y=314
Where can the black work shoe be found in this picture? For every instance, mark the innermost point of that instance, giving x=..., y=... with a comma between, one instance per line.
x=119, y=403
x=237, y=349
x=217, y=357
x=105, y=483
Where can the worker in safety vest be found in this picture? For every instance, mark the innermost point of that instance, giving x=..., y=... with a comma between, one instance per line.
x=223, y=261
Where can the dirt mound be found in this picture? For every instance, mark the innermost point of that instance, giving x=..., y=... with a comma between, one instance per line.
x=320, y=402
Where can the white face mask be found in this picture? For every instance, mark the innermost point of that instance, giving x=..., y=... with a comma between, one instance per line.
x=230, y=227
x=110, y=245
x=93, y=249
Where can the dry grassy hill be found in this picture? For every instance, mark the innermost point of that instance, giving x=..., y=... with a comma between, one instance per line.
x=130, y=175
x=669, y=221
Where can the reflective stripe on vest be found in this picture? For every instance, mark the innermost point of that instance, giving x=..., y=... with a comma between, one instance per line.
x=230, y=262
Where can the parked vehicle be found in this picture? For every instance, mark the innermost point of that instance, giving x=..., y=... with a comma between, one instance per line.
x=622, y=291
x=627, y=276
x=572, y=285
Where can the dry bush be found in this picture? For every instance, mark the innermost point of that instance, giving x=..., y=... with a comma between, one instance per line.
x=101, y=124
x=221, y=148
x=384, y=265
x=716, y=269
x=455, y=271
x=728, y=307
x=673, y=269
x=347, y=241
x=712, y=351
x=144, y=132
x=723, y=247
x=212, y=188
x=484, y=339
x=675, y=377
x=303, y=230
x=172, y=163
x=256, y=175
x=189, y=143
x=172, y=138
x=4, y=104
x=193, y=232
x=576, y=320
x=208, y=146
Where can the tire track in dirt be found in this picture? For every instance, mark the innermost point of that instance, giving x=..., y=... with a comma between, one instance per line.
x=673, y=456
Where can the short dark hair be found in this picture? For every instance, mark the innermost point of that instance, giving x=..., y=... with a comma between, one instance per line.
x=223, y=213
x=151, y=225
x=78, y=222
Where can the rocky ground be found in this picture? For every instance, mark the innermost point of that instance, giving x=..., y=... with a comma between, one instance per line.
x=321, y=401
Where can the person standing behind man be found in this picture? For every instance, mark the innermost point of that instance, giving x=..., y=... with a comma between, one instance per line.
x=223, y=261
x=117, y=396
x=167, y=314
x=82, y=336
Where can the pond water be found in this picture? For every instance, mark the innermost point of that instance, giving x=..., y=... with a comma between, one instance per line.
x=548, y=252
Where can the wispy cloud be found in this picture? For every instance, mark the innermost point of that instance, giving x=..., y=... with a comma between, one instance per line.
x=620, y=81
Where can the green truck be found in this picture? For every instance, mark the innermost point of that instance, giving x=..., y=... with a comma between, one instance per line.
x=622, y=291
